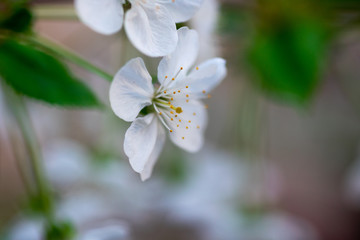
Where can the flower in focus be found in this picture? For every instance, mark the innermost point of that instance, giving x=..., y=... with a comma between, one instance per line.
x=149, y=24
x=174, y=104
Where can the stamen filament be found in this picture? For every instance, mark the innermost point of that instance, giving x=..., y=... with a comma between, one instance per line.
x=160, y=117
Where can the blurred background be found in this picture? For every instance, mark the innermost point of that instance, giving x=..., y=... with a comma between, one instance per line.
x=281, y=159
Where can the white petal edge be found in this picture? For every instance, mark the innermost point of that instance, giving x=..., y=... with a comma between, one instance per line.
x=151, y=29
x=184, y=56
x=143, y=143
x=206, y=76
x=190, y=139
x=102, y=16
x=131, y=90
x=182, y=10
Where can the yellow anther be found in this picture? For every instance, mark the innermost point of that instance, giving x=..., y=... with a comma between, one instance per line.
x=181, y=68
x=187, y=86
x=179, y=120
x=166, y=76
x=178, y=125
x=198, y=127
x=169, y=102
x=160, y=113
x=178, y=91
x=171, y=130
x=172, y=99
x=194, y=114
x=209, y=96
x=203, y=91
x=172, y=119
x=197, y=68
x=206, y=106
x=183, y=138
x=173, y=79
x=189, y=121
x=165, y=92
x=175, y=115
x=171, y=112
x=187, y=100
x=187, y=127
x=178, y=110
x=187, y=95
x=174, y=92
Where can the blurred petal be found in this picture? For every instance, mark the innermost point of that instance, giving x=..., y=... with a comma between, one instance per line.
x=143, y=143
x=182, y=10
x=206, y=76
x=109, y=230
x=66, y=162
x=184, y=55
x=102, y=16
x=151, y=29
x=189, y=133
x=27, y=229
x=131, y=90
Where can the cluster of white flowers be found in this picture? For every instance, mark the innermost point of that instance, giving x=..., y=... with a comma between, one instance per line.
x=171, y=105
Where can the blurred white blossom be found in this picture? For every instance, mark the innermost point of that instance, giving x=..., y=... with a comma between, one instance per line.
x=27, y=229
x=66, y=162
x=107, y=231
x=352, y=183
x=205, y=23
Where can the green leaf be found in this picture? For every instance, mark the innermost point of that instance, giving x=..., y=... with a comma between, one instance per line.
x=288, y=57
x=38, y=75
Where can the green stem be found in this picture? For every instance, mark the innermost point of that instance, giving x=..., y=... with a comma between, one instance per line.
x=61, y=51
x=23, y=120
x=21, y=168
x=55, y=12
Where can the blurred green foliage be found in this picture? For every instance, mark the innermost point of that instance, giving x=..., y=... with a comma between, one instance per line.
x=288, y=59
x=15, y=15
x=19, y=21
x=38, y=75
x=31, y=71
x=60, y=231
x=283, y=45
x=288, y=49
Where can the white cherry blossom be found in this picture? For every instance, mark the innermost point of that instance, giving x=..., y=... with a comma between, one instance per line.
x=174, y=104
x=149, y=24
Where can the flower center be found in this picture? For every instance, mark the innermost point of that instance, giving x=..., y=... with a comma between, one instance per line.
x=171, y=104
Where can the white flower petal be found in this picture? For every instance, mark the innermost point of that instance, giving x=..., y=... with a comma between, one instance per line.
x=160, y=141
x=143, y=143
x=189, y=126
x=206, y=76
x=102, y=16
x=131, y=90
x=151, y=28
x=184, y=56
x=182, y=10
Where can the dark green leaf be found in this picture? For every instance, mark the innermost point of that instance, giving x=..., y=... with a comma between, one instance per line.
x=38, y=75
